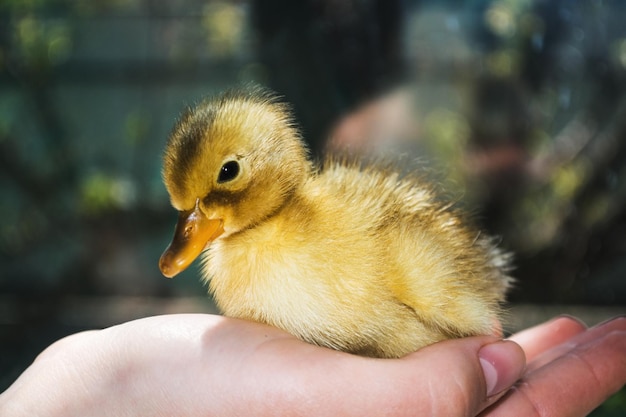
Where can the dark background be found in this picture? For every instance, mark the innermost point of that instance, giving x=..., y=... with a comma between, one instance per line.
x=516, y=106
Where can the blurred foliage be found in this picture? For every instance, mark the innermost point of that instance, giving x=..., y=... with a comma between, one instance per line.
x=613, y=407
x=224, y=23
x=519, y=101
x=101, y=193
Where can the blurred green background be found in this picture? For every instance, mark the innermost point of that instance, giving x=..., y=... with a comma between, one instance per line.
x=517, y=107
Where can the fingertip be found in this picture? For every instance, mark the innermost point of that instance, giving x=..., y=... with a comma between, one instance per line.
x=540, y=338
x=571, y=320
x=502, y=363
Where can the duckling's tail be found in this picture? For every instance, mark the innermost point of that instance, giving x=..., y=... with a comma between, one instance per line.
x=501, y=261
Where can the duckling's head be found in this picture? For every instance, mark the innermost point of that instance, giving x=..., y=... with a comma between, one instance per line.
x=229, y=163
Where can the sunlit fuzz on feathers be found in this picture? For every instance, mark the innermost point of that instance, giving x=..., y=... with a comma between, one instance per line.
x=356, y=258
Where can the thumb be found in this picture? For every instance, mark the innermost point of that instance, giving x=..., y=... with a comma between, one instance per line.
x=456, y=377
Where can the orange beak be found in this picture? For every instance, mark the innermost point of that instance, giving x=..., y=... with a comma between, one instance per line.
x=194, y=232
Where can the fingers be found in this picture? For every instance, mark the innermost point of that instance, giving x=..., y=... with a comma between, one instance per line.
x=591, y=367
x=537, y=340
x=576, y=340
x=205, y=365
x=275, y=372
x=450, y=378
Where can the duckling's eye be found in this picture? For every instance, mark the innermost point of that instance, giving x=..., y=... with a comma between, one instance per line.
x=228, y=171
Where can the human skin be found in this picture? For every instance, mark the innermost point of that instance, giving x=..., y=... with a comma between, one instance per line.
x=204, y=365
x=570, y=371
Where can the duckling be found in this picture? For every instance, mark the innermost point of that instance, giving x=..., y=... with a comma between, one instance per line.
x=351, y=257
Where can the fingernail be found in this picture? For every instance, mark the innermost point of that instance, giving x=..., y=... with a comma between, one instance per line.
x=570, y=317
x=502, y=363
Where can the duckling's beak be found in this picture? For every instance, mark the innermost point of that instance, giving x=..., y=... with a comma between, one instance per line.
x=194, y=232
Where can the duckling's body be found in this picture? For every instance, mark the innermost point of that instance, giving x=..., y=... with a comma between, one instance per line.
x=356, y=259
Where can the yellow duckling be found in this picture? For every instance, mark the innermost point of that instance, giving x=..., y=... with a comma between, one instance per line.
x=355, y=259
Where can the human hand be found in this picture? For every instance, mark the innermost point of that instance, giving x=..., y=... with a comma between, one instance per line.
x=209, y=365
x=570, y=369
